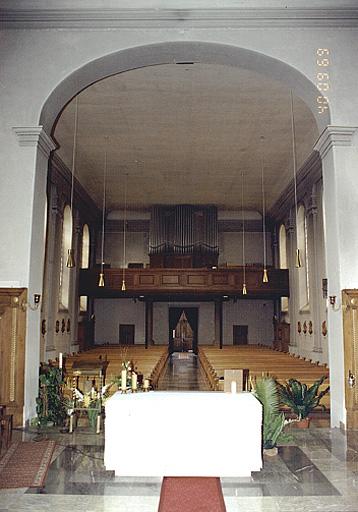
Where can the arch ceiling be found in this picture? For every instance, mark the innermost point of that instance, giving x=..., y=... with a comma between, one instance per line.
x=184, y=133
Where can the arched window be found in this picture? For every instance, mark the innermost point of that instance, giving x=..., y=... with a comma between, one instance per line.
x=303, y=282
x=64, y=271
x=85, y=261
x=283, y=261
x=85, y=247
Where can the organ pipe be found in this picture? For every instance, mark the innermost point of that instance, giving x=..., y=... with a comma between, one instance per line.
x=183, y=229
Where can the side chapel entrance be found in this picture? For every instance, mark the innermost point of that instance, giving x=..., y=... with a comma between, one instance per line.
x=183, y=329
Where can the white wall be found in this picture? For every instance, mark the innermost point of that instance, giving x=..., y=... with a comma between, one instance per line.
x=206, y=329
x=230, y=248
x=256, y=314
x=109, y=313
x=136, y=249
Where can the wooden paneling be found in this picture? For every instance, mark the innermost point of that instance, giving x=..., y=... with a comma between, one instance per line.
x=350, y=326
x=146, y=279
x=12, y=351
x=220, y=278
x=197, y=279
x=158, y=281
x=169, y=280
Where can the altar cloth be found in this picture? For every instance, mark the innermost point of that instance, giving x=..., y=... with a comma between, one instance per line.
x=170, y=433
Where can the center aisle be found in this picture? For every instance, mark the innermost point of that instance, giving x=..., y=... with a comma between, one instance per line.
x=183, y=372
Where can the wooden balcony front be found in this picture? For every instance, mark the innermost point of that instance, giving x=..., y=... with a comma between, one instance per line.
x=191, y=283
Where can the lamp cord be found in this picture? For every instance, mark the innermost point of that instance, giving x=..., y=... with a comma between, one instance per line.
x=243, y=227
x=103, y=205
x=74, y=148
x=125, y=225
x=263, y=204
x=294, y=163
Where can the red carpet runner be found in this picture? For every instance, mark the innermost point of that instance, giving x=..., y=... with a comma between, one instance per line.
x=26, y=464
x=191, y=494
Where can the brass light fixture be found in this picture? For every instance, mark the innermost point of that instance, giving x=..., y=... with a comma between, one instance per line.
x=70, y=262
x=101, y=275
x=244, y=289
x=265, y=278
x=124, y=233
x=298, y=256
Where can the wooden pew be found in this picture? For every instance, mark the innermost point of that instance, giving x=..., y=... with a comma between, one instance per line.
x=150, y=362
x=260, y=360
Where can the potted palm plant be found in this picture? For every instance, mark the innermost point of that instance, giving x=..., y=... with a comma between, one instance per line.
x=302, y=399
x=265, y=390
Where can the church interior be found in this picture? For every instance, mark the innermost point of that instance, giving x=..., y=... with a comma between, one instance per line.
x=182, y=184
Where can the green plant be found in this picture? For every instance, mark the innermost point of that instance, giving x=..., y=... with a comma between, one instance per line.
x=273, y=420
x=94, y=409
x=300, y=398
x=50, y=404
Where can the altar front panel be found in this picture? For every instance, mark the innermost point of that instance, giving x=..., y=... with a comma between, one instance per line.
x=164, y=433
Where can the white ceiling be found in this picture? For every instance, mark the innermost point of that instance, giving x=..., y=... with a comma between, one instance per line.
x=185, y=134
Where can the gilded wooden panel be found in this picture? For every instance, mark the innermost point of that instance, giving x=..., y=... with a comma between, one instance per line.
x=12, y=350
x=350, y=326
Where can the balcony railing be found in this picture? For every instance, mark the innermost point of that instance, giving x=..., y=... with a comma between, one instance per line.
x=190, y=282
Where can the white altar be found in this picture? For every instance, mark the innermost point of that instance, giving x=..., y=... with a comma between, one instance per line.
x=169, y=433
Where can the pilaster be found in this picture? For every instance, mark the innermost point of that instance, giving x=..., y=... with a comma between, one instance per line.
x=312, y=211
x=337, y=146
x=35, y=147
x=291, y=232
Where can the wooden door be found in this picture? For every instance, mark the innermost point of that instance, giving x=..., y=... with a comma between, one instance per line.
x=181, y=338
x=240, y=333
x=350, y=326
x=12, y=351
x=126, y=334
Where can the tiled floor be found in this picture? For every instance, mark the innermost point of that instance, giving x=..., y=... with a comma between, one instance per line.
x=318, y=472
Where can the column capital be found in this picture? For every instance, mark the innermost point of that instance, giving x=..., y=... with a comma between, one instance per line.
x=312, y=207
x=333, y=136
x=35, y=136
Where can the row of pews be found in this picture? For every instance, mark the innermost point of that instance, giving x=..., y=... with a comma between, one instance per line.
x=259, y=360
x=149, y=362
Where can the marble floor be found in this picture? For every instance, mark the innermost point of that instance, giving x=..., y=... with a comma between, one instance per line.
x=318, y=471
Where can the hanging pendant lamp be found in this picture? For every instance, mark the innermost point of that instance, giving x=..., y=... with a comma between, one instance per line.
x=101, y=282
x=265, y=278
x=298, y=256
x=124, y=233
x=70, y=262
x=244, y=289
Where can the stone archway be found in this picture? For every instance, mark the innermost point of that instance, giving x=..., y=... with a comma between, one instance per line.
x=176, y=52
x=158, y=54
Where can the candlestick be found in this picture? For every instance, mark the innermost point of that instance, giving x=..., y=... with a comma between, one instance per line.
x=60, y=360
x=124, y=380
x=98, y=425
x=146, y=384
x=233, y=386
x=173, y=333
x=134, y=381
